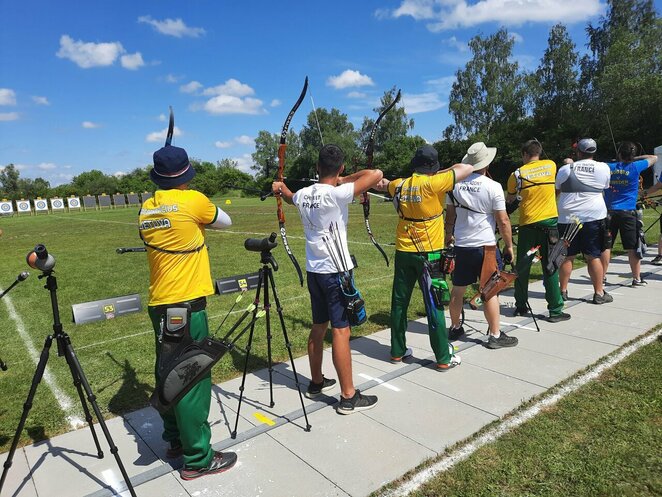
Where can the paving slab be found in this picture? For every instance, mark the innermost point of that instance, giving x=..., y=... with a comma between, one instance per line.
x=358, y=454
x=469, y=386
x=59, y=462
x=266, y=467
x=166, y=486
x=544, y=370
x=19, y=480
x=575, y=349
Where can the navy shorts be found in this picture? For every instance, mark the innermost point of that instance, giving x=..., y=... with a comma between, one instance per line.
x=626, y=223
x=327, y=300
x=469, y=264
x=590, y=240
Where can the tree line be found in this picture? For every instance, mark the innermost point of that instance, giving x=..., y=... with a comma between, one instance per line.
x=612, y=93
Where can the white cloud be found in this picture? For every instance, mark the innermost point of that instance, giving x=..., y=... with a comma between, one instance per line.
x=220, y=144
x=421, y=102
x=231, y=87
x=46, y=166
x=191, y=87
x=132, y=61
x=119, y=174
x=516, y=37
x=172, y=27
x=460, y=46
x=171, y=78
x=275, y=103
x=40, y=100
x=244, y=163
x=160, y=136
x=9, y=116
x=90, y=125
x=228, y=104
x=87, y=54
x=356, y=94
x=453, y=14
x=349, y=78
x=162, y=118
x=7, y=96
x=245, y=140
x=442, y=85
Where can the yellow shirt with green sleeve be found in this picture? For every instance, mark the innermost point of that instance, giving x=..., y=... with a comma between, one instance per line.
x=536, y=187
x=174, y=221
x=422, y=199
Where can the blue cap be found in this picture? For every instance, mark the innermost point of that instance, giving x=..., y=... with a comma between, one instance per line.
x=171, y=167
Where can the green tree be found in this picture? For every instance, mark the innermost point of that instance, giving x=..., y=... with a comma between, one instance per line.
x=265, y=157
x=33, y=188
x=489, y=91
x=94, y=182
x=9, y=180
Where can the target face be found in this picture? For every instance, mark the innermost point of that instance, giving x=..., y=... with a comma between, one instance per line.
x=40, y=204
x=23, y=206
x=73, y=202
x=5, y=207
x=57, y=203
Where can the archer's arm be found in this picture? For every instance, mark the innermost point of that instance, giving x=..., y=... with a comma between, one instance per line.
x=461, y=171
x=280, y=189
x=652, y=159
x=506, y=232
x=449, y=223
x=363, y=180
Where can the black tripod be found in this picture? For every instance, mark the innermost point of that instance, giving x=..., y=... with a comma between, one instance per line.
x=265, y=281
x=40, y=259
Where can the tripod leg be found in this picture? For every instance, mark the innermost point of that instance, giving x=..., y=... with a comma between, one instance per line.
x=36, y=379
x=267, y=307
x=533, y=316
x=279, y=309
x=86, y=409
x=260, y=281
x=73, y=363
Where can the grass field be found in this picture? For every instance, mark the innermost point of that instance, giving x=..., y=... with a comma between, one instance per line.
x=602, y=440
x=117, y=354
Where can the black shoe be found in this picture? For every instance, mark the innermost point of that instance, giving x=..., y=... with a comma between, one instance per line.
x=219, y=463
x=564, y=295
x=639, y=282
x=657, y=261
x=557, y=318
x=605, y=298
x=520, y=312
x=503, y=341
x=357, y=403
x=455, y=333
x=316, y=389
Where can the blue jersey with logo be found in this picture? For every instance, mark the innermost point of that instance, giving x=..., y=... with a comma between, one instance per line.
x=624, y=185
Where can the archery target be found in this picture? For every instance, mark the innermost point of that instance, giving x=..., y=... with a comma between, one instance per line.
x=40, y=205
x=6, y=207
x=57, y=204
x=104, y=201
x=73, y=203
x=23, y=206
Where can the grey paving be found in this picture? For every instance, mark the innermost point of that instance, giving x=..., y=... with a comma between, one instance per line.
x=420, y=413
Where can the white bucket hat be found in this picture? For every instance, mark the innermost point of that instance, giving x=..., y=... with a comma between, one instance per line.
x=479, y=156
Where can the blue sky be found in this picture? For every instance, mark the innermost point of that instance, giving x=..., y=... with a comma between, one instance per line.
x=87, y=85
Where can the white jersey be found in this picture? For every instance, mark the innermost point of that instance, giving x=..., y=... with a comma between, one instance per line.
x=581, y=185
x=320, y=207
x=475, y=199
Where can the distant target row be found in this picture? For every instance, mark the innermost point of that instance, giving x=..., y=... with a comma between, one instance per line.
x=56, y=204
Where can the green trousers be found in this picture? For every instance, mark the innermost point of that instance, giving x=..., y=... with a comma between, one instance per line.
x=408, y=271
x=529, y=236
x=186, y=423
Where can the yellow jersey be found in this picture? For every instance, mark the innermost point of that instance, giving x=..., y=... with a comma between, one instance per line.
x=534, y=182
x=420, y=207
x=172, y=225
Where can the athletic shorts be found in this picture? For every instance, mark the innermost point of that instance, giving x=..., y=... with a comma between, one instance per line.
x=626, y=223
x=589, y=240
x=327, y=300
x=469, y=264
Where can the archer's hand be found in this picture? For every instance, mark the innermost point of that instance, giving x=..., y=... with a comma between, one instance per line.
x=382, y=186
x=508, y=255
x=277, y=188
x=568, y=161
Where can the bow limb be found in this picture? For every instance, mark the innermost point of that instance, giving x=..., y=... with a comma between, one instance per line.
x=282, y=147
x=171, y=128
x=370, y=153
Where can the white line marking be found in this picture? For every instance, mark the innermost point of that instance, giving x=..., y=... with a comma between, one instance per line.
x=467, y=450
x=380, y=381
x=518, y=326
x=111, y=479
x=66, y=403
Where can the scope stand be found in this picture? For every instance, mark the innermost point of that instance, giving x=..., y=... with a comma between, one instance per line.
x=528, y=306
x=266, y=280
x=64, y=348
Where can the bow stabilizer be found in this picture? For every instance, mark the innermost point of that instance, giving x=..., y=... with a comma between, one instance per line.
x=370, y=153
x=282, y=147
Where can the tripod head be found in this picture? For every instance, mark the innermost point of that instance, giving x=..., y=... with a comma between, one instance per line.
x=264, y=246
x=40, y=259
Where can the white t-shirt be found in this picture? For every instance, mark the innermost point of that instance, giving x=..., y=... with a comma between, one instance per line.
x=586, y=205
x=321, y=206
x=478, y=196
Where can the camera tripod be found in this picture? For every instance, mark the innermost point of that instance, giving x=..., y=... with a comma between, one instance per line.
x=266, y=281
x=64, y=348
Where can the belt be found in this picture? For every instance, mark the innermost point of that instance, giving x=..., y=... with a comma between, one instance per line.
x=196, y=305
